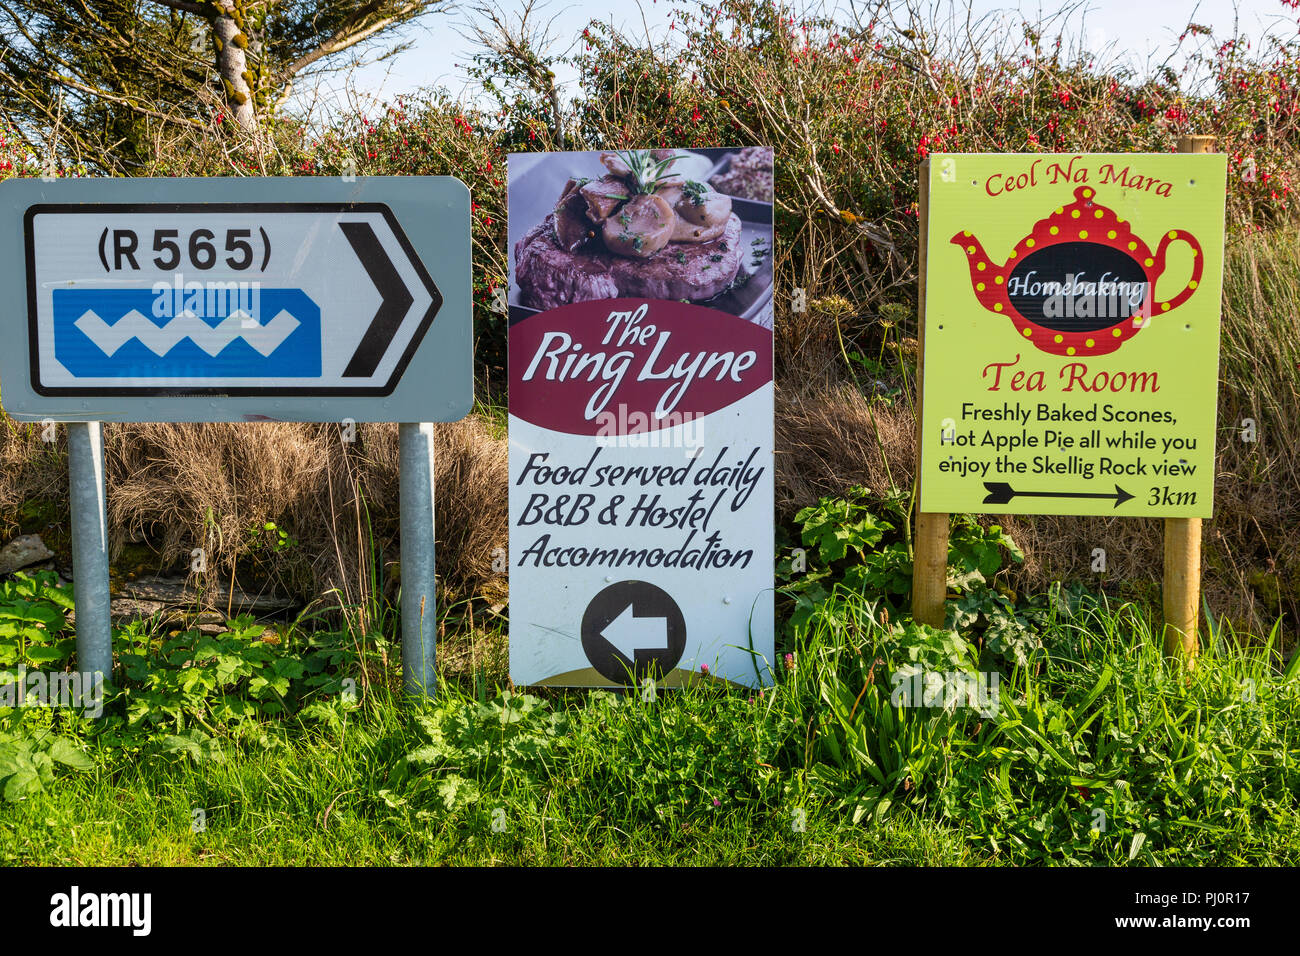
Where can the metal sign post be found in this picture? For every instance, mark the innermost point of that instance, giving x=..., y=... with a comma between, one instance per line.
x=240, y=300
x=90, y=551
x=419, y=623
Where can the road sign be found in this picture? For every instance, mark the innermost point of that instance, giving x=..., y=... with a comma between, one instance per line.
x=304, y=299
x=1071, y=334
x=641, y=419
x=239, y=300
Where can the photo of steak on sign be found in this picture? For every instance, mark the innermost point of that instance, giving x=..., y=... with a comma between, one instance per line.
x=641, y=417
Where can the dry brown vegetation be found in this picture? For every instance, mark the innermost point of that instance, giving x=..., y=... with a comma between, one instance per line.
x=215, y=487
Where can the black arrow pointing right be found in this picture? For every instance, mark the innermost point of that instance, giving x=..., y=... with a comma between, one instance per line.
x=395, y=299
x=1000, y=493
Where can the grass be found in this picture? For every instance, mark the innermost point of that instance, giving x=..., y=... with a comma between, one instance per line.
x=322, y=799
x=1100, y=752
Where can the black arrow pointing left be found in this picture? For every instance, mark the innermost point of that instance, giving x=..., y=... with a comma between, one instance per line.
x=395, y=299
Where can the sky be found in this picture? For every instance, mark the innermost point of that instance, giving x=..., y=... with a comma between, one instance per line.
x=1131, y=29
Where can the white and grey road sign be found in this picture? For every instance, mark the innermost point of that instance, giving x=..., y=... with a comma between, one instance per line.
x=303, y=299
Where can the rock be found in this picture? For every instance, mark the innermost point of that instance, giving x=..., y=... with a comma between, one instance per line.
x=22, y=552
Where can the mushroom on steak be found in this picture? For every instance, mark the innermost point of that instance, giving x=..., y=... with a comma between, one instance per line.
x=684, y=231
x=670, y=191
x=572, y=227
x=702, y=213
x=616, y=164
x=641, y=228
x=604, y=196
x=702, y=206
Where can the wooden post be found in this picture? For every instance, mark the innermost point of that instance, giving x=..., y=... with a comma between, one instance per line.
x=930, y=547
x=1182, y=587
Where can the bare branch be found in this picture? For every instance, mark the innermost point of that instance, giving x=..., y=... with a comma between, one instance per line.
x=523, y=44
x=360, y=28
x=184, y=6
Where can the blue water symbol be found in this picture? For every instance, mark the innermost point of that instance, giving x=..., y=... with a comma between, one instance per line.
x=297, y=356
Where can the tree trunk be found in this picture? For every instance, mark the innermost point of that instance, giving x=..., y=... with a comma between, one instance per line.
x=232, y=67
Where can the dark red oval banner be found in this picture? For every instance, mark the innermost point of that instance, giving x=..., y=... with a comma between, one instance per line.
x=623, y=366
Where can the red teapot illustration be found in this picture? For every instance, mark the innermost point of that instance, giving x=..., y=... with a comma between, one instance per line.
x=1081, y=283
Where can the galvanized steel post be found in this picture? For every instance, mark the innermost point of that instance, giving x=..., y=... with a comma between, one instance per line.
x=419, y=619
x=90, y=551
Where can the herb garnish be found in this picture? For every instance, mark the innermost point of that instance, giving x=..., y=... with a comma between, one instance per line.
x=647, y=172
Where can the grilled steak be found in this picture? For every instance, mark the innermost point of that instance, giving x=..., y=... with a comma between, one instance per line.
x=550, y=276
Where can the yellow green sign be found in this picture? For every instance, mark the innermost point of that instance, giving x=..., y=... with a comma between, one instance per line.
x=1071, y=350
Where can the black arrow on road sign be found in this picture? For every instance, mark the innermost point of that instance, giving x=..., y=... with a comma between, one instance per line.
x=395, y=299
x=1000, y=493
